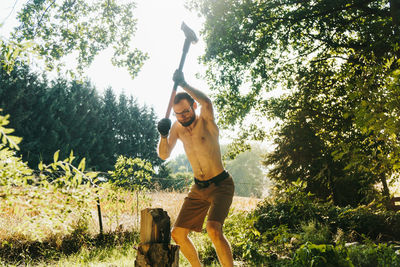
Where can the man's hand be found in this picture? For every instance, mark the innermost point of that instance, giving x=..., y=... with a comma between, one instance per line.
x=179, y=79
x=163, y=127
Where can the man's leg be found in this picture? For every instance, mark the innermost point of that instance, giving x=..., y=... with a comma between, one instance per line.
x=224, y=252
x=180, y=235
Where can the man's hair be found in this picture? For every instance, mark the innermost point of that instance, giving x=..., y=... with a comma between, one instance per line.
x=183, y=95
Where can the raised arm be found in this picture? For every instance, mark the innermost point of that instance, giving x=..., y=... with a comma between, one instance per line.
x=199, y=96
x=167, y=138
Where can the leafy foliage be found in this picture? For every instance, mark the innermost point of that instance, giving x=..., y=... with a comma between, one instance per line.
x=337, y=64
x=296, y=230
x=321, y=255
x=247, y=242
x=11, y=53
x=51, y=209
x=57, y=29
x=10, y=164
x=179, y=164
x=134, y=173
x=370, y=255
x=63, y=180
x=297, y=209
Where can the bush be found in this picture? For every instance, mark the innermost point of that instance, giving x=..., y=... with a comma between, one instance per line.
x=322, y=255
x=207, y=253
x=291, y=208
x=296, y=211
x=371, y=255
x=315, y=233
x=247, y=243
x=20, y=249
x=376, y=225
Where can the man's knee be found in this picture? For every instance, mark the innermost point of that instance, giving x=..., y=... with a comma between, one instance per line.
x=214, y=230
x=179, y=233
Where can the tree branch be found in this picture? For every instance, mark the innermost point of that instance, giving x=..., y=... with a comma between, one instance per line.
x=41, y=18
x=12, y=10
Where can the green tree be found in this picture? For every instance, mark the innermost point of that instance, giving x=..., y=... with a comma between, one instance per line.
x=21, y=94
x=134, y=173
x=180, y=164
x=149, y=136
x=337, y=61
x=69, y=115
x=108, y=116
x=54, y=29
x=248, y=175
x=135, y=133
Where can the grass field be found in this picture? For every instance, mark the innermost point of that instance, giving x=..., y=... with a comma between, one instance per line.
x=22, y=224
x=129, y=209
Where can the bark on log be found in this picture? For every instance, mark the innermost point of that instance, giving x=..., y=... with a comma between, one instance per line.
x=155, y=226
x=157, y=255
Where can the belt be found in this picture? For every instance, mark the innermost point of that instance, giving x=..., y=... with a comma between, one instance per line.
x=216, y=180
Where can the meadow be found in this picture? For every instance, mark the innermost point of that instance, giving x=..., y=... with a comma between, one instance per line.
x=53, y=225
x=30, y=235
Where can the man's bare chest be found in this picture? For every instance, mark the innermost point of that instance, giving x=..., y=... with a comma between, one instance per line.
x=198, y=135
x=195, y=136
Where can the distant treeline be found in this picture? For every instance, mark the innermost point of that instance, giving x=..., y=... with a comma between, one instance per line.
x=71, y=115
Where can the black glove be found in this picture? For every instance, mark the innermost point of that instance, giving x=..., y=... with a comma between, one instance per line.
x=163, y=127
x=179, y=79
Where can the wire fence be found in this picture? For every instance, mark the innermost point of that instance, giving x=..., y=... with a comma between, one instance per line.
x=105, y=176
x=157, y=183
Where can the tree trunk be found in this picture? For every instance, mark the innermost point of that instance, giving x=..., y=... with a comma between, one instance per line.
x=395, y=13
x=385, y=187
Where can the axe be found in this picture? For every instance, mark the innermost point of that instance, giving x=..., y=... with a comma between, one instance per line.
x=190, y=38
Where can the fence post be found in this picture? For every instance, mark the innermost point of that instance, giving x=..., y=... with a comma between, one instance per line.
x=99, y=213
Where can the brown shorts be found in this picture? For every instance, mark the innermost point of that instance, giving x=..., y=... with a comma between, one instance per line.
x=215, y=199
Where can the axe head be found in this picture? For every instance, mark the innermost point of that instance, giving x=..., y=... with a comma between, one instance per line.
x=189, y=33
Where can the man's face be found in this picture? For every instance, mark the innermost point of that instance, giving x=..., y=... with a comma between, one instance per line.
x=184, y=113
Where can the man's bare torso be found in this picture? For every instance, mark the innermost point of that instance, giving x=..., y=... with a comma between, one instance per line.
x=201, y=143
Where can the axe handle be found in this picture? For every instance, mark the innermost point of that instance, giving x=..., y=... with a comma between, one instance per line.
x=171, y=100
x=186, y=46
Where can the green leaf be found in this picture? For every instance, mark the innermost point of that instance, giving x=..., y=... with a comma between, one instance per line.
x=40, y=166
x=81, y=166
x=55, y=156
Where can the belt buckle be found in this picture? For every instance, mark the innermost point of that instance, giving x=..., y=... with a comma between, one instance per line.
x=204, y=184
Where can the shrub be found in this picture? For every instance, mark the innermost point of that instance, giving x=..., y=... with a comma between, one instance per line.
x=132, y=173
x=322, y=255
x=246, y=241
x=316, y=233
x=372, y=255
x=378, y=225
x=207, y=252
x=296, y=211
x=291, y=208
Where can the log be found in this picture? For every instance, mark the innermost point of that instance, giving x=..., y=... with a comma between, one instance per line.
x=155, y=249
x=155, y=226
x=157, y=255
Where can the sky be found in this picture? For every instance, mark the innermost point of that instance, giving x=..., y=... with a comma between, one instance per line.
x=159, y=34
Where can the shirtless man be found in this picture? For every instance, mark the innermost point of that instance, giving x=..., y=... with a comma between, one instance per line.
x=213, y=189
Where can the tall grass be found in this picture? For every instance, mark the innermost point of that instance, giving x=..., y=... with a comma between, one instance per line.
x=120, y=210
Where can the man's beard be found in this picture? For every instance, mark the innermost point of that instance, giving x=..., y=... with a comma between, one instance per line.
x=189, y=122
